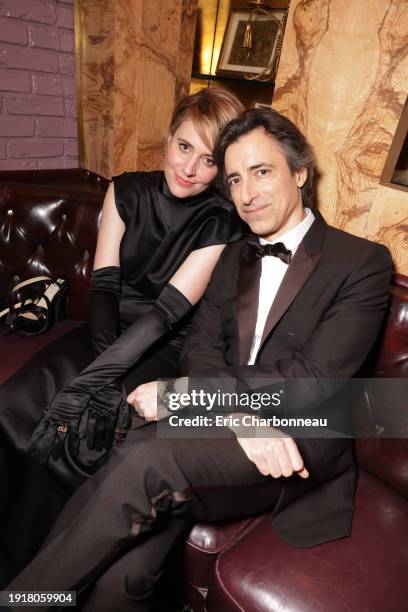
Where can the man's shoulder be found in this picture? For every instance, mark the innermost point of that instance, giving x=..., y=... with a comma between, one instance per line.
x=345, y=244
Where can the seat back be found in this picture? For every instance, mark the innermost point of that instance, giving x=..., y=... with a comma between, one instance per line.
x=48, y=225
x=385, y=402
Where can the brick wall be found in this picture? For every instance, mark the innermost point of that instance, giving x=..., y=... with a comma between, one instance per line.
x=38, y=127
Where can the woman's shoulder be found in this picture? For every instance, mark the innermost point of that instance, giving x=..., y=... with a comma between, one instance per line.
x=135, y=181
x=220, y=221
x=132, y=188
x=221, y=200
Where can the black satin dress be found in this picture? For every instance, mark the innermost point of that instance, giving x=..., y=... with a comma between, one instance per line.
x=161, y=231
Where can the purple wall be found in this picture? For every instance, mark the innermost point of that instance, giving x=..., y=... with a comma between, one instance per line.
x=38, y=127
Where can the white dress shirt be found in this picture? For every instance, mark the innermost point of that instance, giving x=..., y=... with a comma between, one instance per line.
x=273, y=271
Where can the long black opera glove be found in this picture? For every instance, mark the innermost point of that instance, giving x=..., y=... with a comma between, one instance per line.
x=63, y=415
x=107, y=412
x=104, y=317
x=104, y=322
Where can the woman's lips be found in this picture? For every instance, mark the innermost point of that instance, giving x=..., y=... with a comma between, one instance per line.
x=183, y=182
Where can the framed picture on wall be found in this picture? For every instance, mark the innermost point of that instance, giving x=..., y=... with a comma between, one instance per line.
x=266, y=41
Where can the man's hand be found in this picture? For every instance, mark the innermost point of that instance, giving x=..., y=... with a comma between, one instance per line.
x=275, y=456
x=144, y=400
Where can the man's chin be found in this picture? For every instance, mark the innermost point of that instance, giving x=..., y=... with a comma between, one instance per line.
x=260, y=229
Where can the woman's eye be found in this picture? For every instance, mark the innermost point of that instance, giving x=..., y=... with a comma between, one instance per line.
x=183, y=146
x=209, y=162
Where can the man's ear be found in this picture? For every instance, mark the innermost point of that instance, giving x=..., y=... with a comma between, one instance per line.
x=301, y=176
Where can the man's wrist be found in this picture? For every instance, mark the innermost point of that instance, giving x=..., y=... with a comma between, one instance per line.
x=166, y=389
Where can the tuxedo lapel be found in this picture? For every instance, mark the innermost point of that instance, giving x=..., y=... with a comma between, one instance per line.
x=296, y=276
x=247, y=304
x=302, y=265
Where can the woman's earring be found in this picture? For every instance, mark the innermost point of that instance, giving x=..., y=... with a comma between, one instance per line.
x=164, y=154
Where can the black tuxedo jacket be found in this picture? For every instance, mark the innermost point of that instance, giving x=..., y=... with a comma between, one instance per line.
x=322, y=324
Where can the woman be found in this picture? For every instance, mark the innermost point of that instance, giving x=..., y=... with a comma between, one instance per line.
x=160, y=237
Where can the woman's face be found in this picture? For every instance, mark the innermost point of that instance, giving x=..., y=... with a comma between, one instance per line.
x=189, y=167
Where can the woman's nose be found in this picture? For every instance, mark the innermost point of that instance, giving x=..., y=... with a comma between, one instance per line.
x=190, y=166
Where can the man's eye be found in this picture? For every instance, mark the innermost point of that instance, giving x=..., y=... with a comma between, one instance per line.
x=263, y=171
x=233, y=182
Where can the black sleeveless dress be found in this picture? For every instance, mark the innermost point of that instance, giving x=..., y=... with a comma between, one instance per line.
x=161, y=231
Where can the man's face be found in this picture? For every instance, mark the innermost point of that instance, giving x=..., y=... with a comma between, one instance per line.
x=265, y=192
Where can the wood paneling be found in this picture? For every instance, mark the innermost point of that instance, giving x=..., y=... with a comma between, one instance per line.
x=135, y=64
x=343, y=79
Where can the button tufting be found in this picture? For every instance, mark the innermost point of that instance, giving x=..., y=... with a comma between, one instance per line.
x=16, y=279
x=10, y=212
x=64, y=217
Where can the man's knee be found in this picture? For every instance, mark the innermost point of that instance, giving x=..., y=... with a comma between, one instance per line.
x=125, y=581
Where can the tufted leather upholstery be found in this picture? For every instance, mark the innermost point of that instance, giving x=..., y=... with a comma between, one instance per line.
x=48, y=225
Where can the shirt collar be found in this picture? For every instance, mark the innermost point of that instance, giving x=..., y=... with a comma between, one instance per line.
x=294, y=237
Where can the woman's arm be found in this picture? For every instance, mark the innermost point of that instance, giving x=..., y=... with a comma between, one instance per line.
x=106, y=279
x=194, y=274
x=110, y=233
x=191, y=279
x=173, y=303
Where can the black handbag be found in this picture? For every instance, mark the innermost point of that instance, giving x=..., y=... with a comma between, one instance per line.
x=35, y=304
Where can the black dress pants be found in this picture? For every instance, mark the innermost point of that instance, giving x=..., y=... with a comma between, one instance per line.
x=113, y=535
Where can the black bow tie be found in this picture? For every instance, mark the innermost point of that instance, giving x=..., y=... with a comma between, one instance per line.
x=276, y=250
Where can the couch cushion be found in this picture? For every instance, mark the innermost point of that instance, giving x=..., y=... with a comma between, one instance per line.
x=16, y=350
x=203, y=545
x=366, y=572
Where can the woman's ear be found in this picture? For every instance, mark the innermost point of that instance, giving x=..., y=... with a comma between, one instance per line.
x=166, y=142
x=301, y=176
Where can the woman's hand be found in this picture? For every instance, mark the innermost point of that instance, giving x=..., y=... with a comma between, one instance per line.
x=144, y=400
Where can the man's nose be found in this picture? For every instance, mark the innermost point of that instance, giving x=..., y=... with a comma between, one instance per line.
x=247, y=192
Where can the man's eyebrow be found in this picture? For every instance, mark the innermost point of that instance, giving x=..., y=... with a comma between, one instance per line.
x=260, y=165
x=251, y=168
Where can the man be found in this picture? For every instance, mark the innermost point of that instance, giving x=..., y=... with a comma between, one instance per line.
x=296, y=301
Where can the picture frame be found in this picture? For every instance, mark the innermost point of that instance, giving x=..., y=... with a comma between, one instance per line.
x=267, y=35
x=262, y=105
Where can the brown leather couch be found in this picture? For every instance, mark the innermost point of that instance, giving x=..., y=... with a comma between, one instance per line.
x=48, y=224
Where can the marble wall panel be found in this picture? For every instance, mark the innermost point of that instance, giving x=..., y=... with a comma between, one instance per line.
x=343, y=78
x=132, y=78
x=95, y=74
